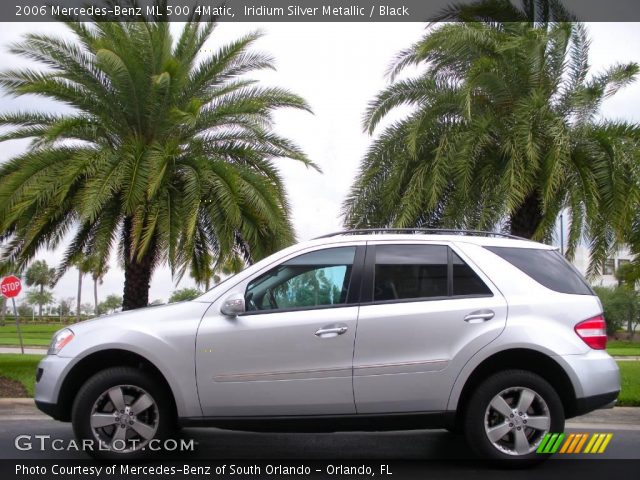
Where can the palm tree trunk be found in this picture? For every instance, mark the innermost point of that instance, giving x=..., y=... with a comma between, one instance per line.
x=40, y=304
x=79, y=293
x=137, y=278
x=137, y=273
x=95, y=295
x=526, y=219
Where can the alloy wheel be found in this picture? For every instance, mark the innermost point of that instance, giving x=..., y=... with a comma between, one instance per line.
x=516, y=420
x=124, y=418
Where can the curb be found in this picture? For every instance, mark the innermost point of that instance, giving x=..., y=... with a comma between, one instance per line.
x=20, y=409
x=616, y=415
x=27, y=350
x=8, y=402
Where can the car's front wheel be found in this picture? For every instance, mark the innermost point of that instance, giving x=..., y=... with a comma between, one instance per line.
x=509, y=414
x=119, y=411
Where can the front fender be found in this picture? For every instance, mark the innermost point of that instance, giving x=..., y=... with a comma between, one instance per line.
x=165, y=336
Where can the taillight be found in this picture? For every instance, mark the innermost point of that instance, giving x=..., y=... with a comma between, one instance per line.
x=593, y=332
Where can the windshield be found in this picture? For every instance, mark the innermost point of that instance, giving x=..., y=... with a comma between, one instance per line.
x=199, y=298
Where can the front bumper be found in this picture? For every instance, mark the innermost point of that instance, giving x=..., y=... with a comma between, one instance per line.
x=53, y=410
x=52, y=371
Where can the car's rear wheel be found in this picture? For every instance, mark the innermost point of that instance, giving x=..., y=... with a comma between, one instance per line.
x=120, y=411
x=509, y=414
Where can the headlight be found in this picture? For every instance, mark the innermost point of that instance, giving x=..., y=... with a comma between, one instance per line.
x=60, y=339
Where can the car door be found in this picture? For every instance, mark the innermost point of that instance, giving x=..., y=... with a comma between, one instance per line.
x=425, y=311
x=291, y=352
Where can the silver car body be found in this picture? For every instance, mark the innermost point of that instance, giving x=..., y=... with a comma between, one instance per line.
x=411, y=356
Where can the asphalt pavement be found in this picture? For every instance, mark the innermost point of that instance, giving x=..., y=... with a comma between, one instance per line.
x=19, y=417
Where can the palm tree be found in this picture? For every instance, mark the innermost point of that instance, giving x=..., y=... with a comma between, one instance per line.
x=202, y=270
x=504, y=133
x=208, y=271
x=83, y=264
x=40, y=276
x=40, y=298
x=168, y=155
x=98, y=269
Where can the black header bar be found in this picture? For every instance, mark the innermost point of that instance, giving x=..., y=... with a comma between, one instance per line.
x=289, y=10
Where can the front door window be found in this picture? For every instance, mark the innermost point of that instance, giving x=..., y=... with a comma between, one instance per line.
x=315, y=279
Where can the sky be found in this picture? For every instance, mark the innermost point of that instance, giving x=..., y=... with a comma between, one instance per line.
x=338, y=68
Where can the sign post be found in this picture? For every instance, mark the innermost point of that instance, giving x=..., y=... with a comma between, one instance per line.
x=10, y=287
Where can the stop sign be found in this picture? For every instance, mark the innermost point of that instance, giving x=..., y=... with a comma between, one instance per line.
x=10, y=286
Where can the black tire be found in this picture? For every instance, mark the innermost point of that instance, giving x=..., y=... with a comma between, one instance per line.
x=510, y=385
x=132, y=383
x=456, y=428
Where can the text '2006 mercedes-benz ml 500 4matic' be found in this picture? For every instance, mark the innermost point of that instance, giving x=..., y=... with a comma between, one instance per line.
x=495, y=336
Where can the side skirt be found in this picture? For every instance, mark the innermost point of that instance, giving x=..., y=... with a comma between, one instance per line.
x=328, y=423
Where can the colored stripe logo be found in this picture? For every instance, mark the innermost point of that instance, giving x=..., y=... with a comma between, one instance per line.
x=574, y=443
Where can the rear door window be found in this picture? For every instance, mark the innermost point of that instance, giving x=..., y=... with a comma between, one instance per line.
x=465, y=280
x=410, y=271
x=405, y=272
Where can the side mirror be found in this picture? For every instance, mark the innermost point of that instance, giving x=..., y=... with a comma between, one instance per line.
x=233, y=305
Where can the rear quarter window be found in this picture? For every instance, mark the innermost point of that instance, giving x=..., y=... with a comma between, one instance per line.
x=547, y=267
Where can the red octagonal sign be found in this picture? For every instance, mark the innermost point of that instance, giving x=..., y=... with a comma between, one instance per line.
x=10, y=286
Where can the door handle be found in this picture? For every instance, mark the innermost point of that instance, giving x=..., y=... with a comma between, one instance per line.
x=479, y=316
x=331, y=331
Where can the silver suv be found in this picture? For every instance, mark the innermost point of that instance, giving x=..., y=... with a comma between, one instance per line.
x=488, y=334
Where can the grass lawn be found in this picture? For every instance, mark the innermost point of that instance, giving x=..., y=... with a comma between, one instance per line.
x=630, y=394
x=21, y=368
x=621, y=347
x=32, y=335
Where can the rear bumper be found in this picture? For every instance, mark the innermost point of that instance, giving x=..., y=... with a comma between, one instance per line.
x=593, y=373
x=596, y=380
x=595, y=402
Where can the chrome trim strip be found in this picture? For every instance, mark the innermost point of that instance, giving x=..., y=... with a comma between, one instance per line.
x=284, y=375
x=402, y=364
x=400, y=367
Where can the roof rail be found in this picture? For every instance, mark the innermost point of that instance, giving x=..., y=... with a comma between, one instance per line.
x=435, y=231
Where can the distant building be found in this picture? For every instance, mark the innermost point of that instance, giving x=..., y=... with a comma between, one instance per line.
x=611, y=264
